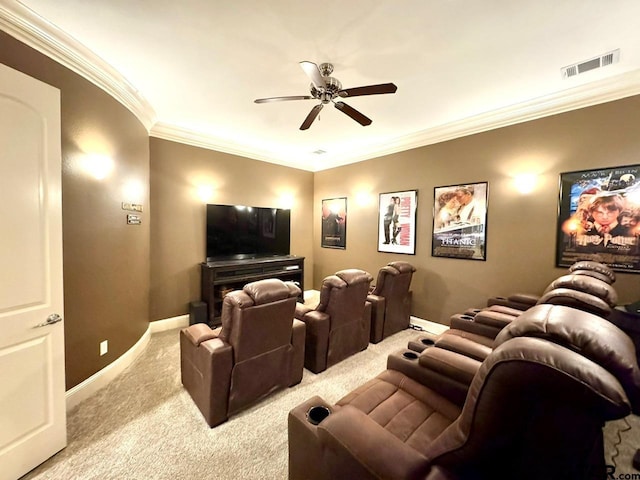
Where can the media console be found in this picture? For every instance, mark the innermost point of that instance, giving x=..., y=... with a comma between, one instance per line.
x=223, y=276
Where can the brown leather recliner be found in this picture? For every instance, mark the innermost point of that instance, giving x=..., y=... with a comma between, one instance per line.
x=575, y=290
x=466, y=348
x=391, y=300
x=535, y=409
x=258, y=349
x=523, y=301
x=339, y=325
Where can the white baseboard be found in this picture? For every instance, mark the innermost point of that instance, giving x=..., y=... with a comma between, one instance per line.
x=180, y=321
x=431, y=327
x=103, y=377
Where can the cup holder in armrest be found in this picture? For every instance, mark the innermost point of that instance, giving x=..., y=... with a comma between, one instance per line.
x=466, y=317
x=409, y=355
x=317, y=414
x=427, y=341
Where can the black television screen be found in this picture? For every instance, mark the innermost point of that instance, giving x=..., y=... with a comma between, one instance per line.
x=236, y=231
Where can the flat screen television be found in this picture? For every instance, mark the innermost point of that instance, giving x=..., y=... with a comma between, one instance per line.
x=240, y=232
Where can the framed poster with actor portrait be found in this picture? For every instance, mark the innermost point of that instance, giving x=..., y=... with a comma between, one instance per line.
x=460, y=221
x=334, y=223
x=599, y=218
x=397, y=222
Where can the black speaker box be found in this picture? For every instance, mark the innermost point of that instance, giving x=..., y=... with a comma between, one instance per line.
x=197, y=312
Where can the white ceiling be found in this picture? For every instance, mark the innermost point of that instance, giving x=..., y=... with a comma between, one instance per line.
x=194, y=67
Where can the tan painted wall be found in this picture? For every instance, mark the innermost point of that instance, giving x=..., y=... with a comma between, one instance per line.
x=521, y=228
x=178, y=215
x=107, y=267
x=106, y=262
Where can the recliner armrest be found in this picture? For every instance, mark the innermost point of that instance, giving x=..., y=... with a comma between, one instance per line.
x=297, y=341
x=406, y=362
x=318, y=325
x=454, y=365
x=493, y=319
x=524, y=298
x=199, y=332
x=467, y=323
x=378, y=305
x=360, y=448
x=302, y=310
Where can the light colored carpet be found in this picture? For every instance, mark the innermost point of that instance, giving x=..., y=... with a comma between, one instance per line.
x=144, y=425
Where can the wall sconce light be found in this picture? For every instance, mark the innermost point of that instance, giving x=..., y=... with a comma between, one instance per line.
x=97, y=165
x=286, y=200
x=133, y=191
x=205, y=193
x=363, y=198
x=525, y=183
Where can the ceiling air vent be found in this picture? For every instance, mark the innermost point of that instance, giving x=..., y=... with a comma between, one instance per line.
x=591, y=64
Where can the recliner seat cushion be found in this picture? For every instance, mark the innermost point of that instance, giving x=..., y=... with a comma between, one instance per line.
x=410, y=411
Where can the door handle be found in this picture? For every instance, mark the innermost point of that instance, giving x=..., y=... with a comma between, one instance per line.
x=51, y=319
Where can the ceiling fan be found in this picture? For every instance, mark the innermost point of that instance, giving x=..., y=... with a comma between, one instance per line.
x=327, y=89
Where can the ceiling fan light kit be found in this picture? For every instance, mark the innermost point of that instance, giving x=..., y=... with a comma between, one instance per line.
x=327, y=89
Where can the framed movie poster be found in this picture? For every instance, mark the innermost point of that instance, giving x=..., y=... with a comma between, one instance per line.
x=460, y=221
x=397, y=222
x=334, y=223
x=599, y=218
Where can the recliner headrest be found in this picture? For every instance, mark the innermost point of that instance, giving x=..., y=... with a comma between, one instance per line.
x=587, y=284
x=586, y=266
x=270, y=290
x=590, y=335
x=334, y=281
x=576, y=299
x=402, y=267
x=353, y=276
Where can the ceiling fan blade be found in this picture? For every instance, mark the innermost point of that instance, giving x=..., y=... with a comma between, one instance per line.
x=311, y=117
x=353, y=113
x=313, y=72
x=282, y=99
x=368, y=90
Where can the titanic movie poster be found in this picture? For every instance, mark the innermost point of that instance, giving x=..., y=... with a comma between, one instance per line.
x=599, y=218
x=460, y=221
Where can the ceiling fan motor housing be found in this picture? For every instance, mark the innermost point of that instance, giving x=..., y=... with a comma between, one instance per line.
x=329, y=92
x=326, y=88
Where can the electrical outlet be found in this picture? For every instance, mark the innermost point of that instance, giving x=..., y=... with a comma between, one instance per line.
x=104, y=347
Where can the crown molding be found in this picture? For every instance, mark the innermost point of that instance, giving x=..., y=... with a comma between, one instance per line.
x=590, y=94
x=607, y=90
x=31, y=29
x=28, y=27
x=174, y=133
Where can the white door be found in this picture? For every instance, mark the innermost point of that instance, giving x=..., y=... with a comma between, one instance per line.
x=32, y=387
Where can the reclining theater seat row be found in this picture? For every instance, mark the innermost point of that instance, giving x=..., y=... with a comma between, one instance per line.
x=340, y=324
x=581, y=291
x=391, y=300
x=259, y=349
x=466, y=345
x=523, y=301
x=534, y=409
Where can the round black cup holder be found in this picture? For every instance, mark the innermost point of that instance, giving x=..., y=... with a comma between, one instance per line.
x=427, y=341
x=410, y=355
x=317, y=414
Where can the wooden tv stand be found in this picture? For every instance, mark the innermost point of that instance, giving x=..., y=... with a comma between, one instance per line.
x=222, y=276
